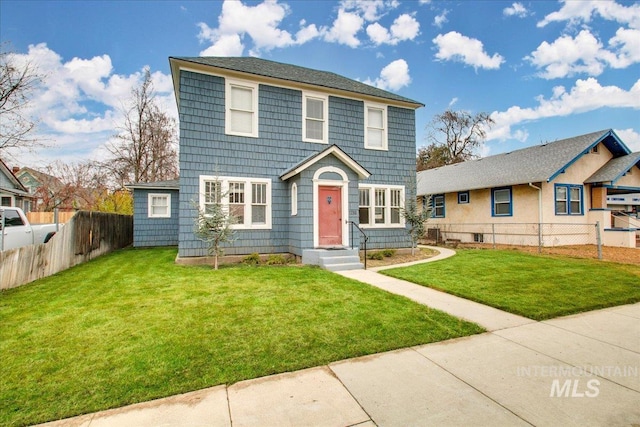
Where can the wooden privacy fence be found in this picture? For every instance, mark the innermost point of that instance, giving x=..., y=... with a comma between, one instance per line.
x=48, y=217
x=86, y=236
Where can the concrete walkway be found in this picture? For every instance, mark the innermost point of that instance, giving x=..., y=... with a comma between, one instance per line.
x=580, y=370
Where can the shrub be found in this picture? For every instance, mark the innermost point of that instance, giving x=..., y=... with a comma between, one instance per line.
x=375, y=255
x=252, y=259
x=276, y=259
x=388, y=252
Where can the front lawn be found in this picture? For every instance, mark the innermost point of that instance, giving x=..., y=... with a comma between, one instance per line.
x=535, y=286
x=133, y=326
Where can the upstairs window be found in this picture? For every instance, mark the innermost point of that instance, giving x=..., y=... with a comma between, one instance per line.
x=375, y=123
x=568, y=199
x=315, y=109
x=241, y=109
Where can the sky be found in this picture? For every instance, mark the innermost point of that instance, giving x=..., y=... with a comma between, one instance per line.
x=544, y=70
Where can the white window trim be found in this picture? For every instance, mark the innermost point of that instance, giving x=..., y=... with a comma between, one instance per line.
x=254, y=100
x=150, y=213
x=225, y=180
x=325, y=114
x=385, y=145
x=294, y=199
x=387, y=207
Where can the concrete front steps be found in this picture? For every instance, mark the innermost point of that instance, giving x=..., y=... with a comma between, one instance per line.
x=339, y=259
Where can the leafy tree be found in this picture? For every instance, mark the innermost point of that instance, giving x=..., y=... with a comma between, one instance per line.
x=145, y=149
x=416, y=220
x=213, y=225
x=431, y=156
x=119, y=201
x=17, y=82
x=455, y=136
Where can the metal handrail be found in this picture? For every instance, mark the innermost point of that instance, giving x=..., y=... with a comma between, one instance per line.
x=366, y=238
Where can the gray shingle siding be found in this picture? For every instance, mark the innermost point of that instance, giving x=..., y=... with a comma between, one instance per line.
x=205, y=149
x=154, y=231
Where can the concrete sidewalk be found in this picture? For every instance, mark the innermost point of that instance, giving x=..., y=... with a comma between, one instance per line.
x=577, y=370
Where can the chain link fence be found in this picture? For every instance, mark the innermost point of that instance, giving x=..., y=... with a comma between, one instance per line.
x=546, y=237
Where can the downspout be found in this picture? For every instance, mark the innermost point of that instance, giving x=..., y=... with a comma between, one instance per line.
x=539, y=216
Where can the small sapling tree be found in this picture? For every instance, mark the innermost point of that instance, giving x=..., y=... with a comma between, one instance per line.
x=213, y=222
x=416, y=220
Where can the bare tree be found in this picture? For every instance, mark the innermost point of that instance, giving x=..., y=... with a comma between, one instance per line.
x=455, y=136
x=145, y=148
x=17, y=82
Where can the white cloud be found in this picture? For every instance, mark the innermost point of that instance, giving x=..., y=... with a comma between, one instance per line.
x=453, y=46
x=306, y=32
x=370, y=10
x=394, y=76
x=453, y=102
x=627, y=43
x=568, y=56
x=441, y=19
x=260, y=23
x=405, y=27
x=344, y=29
x=630, y=137
x=516, y=9
x=586, y=95
x=225, y=45
x=582, y=11
x=78, y=101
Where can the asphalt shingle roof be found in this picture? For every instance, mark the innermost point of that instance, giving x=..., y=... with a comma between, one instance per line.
x=172, y=184
x=294, y=73
x=533, y=164
x=615, y=168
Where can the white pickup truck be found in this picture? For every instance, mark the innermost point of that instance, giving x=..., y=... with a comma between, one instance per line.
x=15, y=230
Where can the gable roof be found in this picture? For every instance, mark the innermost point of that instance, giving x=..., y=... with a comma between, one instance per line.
x=287, y=73
x=540, y=163
x=615, y=168
x=314, y=158
x=19, y=189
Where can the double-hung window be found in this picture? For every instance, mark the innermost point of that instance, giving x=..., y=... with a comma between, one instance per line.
x=159, y=205
x=380, y=206
x=437, y=206
x=375, y=124
x=568, y=199
x=315, y=109
x=248, y=200
x=501, y=202
x=365, y=207
x=241, y=108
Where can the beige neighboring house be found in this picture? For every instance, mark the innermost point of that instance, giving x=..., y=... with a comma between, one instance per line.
x=558, y=183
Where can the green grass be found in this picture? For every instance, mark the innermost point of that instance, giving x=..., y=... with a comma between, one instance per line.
x=133, y=326
x=538, y=287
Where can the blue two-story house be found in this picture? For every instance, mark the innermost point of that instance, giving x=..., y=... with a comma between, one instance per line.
x=300, y=156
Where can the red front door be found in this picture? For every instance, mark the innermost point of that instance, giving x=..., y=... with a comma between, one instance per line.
x=330, y=216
